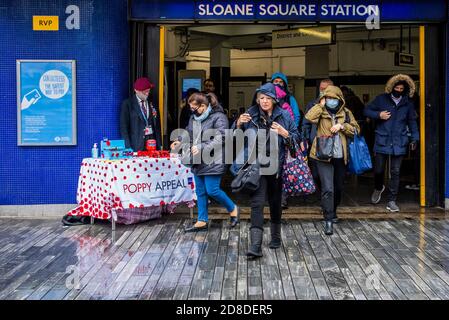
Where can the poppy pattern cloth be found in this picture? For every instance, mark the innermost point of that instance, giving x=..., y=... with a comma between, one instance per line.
x=296, y=177
x=107, y=186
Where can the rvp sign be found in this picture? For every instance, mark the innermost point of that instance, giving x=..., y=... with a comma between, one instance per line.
x=51, y=23
x=45, y=23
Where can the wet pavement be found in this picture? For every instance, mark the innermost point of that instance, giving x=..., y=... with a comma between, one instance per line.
x=391, y=257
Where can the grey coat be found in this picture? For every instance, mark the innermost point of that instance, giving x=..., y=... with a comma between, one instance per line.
x=218, y=121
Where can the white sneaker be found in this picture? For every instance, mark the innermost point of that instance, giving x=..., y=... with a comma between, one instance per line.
x=392, y=206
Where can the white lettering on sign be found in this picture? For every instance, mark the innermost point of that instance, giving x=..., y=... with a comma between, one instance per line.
x=54, y=84
x=349, y=10
x=226, y=10
x=73, y=21
x=286, y=10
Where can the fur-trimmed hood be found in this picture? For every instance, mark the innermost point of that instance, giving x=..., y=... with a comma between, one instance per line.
x=397, y=78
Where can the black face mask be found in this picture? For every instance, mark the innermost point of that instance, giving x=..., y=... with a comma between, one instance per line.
x=195, y=112
x=396, y=94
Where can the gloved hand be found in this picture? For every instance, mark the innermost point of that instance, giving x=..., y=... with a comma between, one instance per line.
x=413, y=145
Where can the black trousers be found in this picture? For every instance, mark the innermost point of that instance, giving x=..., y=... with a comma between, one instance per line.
x=332, y=177
x=379, y=174
x=270, y=187
x=314, y=170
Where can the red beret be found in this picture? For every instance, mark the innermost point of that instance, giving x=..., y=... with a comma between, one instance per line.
x=143, y=84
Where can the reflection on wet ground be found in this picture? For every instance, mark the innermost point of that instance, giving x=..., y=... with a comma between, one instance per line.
x=388, y=258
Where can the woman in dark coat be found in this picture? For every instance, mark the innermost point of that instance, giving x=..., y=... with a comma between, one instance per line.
x=267, y=116
x=208, y=115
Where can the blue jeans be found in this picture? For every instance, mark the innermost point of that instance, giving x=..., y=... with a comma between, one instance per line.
x=209, y=186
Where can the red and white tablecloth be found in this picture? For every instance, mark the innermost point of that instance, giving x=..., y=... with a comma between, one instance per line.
x=120, y=185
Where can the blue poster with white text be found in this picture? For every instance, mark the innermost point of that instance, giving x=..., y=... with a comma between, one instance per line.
x=46, y=103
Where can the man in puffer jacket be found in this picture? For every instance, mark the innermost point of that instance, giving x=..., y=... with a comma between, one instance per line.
x=396, y=129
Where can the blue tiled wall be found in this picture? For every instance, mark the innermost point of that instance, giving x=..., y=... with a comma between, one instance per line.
x=49, y=175
x=447, y=115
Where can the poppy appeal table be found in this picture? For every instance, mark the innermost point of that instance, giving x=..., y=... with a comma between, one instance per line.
x=133, y=190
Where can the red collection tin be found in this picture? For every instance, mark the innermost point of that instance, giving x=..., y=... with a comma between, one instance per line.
x=151, y=145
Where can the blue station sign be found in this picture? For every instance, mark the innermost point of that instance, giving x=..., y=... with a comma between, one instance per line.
x=357, y=11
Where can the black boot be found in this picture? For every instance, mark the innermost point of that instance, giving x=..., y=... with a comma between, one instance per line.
x=328, y=227
x=275, y=236
x=255, y=249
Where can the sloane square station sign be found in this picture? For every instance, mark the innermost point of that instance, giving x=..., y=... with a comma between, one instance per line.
x=298, y=11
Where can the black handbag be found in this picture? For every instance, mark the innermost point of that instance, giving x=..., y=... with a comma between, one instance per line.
x=247, y=179
x=325, y=147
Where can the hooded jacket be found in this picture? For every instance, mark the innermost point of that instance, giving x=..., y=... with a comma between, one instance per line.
x=321, y=117
x=290, y=100
x=280, y=116
x=394, y=135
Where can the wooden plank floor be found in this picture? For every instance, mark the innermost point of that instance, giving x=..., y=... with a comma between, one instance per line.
x=365, y=259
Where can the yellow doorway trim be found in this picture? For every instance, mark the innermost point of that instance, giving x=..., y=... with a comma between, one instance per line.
x=161, y=79
x=422, y=114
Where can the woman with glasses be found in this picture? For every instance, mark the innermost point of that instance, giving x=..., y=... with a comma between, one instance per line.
x=208, y=115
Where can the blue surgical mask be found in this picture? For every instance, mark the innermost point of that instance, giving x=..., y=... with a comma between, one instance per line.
x=204, y=115
x=332, y=103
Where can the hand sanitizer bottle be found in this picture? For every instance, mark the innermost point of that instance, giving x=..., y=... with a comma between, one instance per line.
x=95, y=151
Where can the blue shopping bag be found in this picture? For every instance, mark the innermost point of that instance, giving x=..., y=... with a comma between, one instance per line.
x=359, y=156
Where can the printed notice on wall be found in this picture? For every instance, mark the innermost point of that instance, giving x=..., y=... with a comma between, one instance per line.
x=46, y=102
x=303, y=36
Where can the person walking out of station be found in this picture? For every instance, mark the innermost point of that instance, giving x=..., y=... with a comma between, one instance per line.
x=334, y=121
x=309, y=129
x=266, y=115
x=287, y=102
x=208, y=115
x=396, y=130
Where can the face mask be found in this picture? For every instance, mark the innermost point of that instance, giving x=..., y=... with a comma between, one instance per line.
x=279, y=85
x=203, y=115
x=196, y=113
x=332, y=103
x=396, y=94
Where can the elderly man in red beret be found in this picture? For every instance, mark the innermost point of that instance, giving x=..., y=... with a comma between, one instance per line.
x=139, y=119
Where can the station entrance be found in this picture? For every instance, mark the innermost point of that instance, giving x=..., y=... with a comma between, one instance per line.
x=240, y=57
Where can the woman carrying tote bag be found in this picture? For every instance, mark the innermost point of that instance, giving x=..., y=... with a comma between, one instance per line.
x=335, y=124
x=267, y=116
